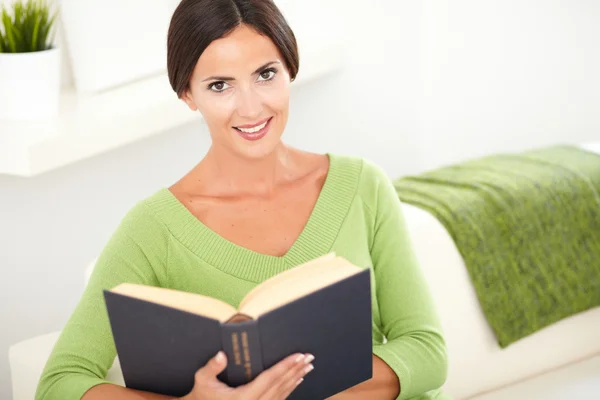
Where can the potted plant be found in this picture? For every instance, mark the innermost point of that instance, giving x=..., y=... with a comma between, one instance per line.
x=29, y=61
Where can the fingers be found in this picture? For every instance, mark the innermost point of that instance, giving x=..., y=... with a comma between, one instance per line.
x=294, y=378
x=281, y=379
x=214, y=367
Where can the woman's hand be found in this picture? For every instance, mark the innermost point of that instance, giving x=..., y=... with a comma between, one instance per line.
x=276, y=383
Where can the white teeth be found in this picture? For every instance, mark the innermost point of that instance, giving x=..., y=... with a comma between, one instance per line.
x=253, y=130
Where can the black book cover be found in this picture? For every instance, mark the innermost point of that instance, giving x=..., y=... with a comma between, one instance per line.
x=160, y=348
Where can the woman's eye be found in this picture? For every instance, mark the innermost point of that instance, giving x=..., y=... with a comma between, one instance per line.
x=218, y=86
x=267, y=74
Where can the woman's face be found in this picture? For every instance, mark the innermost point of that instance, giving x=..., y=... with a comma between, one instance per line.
x=241, y=87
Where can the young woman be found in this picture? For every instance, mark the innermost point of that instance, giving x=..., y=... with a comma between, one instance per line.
x=251, y=208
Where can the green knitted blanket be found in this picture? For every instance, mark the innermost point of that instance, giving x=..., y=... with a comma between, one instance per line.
x=528, y=228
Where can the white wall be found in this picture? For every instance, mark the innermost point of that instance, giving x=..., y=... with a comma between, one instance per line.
x=370, y=109
x=508, y=74
x=426, y=83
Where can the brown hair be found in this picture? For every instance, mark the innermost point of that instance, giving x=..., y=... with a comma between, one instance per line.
x=196, y=23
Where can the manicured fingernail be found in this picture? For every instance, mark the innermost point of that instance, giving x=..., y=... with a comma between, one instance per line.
x=308, y=368
x=220, y=357
x=299, y=358
x=299, y=381
x=309, y=358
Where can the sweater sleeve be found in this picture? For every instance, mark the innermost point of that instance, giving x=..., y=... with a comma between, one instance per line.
x=415, y=348
x=85, y=350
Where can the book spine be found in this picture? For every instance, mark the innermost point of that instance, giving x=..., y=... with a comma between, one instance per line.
x=241, y=344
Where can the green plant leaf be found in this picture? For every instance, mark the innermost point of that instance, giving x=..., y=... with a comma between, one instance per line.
x=27, y=27
x=3, y=41
x=34, y=35
x=9, y=28
x=19, y=42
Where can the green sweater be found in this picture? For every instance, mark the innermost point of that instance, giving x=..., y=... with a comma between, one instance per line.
x=159, y=242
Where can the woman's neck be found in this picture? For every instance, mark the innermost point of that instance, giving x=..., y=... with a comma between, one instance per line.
x=226, y=173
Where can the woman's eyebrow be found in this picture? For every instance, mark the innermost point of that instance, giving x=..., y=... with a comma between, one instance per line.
x=228, y=78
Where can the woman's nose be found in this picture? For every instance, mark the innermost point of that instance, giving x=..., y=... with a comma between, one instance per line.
x=249, y=104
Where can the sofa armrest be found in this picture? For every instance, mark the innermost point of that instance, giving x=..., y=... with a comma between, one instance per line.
x=27, y=360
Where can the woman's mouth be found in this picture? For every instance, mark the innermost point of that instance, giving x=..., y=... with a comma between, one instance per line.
x=254, y=132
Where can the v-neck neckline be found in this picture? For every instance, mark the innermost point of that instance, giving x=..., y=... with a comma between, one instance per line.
x=316, y=238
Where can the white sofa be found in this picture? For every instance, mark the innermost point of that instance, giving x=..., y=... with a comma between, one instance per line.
x=561, y=362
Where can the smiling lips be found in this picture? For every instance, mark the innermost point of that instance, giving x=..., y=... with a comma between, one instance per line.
x=254, y=131
x=253, y=127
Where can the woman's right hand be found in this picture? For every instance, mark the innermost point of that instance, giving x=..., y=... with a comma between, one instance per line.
x=275, y=383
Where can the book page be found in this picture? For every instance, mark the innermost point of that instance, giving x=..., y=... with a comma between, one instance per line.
x=285, y=276
x=294, y=286
x=184, y=301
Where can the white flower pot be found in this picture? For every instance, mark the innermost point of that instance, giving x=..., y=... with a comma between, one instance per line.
x=29, y=84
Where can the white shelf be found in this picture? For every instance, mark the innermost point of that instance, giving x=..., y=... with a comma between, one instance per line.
x=91, y=125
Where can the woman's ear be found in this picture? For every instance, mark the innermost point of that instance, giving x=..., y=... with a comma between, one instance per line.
x=189, y=100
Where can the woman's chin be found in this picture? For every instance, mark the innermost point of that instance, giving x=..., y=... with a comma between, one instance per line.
x=258, y=148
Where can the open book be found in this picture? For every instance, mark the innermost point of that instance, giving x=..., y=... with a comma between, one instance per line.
x=322, y=307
